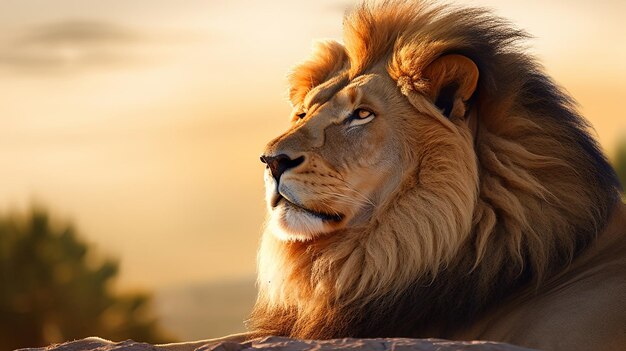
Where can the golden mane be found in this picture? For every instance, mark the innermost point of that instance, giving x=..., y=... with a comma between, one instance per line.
x=545, y=191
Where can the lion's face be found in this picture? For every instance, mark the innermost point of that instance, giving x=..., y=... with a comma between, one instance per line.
x=352, y=143
x=340, y=159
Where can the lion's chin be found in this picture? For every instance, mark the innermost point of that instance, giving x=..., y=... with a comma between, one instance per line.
x=290, y=222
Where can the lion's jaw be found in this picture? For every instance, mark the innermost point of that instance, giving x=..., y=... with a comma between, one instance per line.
x=317, y=200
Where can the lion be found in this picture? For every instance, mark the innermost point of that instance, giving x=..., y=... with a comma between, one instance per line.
x=435, y=182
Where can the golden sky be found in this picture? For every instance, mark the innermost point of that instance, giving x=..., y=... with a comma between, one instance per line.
x=142, y=121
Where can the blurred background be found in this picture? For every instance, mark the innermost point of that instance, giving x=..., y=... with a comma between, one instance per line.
x=131, y=194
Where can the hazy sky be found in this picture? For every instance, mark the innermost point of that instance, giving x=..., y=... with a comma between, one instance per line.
x=142, y=121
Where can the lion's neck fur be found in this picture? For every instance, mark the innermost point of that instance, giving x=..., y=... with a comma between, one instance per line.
x=544, y=191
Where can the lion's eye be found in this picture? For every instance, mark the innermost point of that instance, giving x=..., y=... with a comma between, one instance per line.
x=301, y=115
x=360, y=116
x=361, y=113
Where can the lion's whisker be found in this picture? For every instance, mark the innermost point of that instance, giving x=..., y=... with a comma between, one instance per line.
x=365, y=198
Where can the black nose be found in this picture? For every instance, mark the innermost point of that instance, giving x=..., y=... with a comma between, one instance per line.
x=279, y=164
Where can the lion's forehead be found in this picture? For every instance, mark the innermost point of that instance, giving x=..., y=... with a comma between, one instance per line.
x=322, y=93
x=340, y=92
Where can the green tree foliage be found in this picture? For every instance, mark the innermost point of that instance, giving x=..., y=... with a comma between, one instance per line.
x=53, y=289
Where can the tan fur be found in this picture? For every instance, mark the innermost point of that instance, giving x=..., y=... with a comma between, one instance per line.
x=446, y=220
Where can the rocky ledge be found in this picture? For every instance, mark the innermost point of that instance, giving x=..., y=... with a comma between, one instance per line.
x=287, y=344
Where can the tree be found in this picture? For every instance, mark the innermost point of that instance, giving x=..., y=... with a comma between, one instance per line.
x=53, y=288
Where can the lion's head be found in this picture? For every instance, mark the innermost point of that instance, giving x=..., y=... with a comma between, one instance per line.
x=430, y=170
x=352, y=145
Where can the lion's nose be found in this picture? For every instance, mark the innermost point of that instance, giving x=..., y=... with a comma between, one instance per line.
x=279, y=164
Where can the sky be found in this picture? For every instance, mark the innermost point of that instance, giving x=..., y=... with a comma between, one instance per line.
x=141, y=121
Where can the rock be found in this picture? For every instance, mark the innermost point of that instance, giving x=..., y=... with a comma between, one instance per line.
x=96, y=344
x=274, y=343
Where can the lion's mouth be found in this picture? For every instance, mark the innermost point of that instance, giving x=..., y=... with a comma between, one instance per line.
x=321, y=215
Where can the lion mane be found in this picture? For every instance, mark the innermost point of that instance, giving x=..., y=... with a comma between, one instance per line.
x=544, y=193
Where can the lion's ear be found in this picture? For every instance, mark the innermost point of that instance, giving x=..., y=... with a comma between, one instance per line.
x=451, y=80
